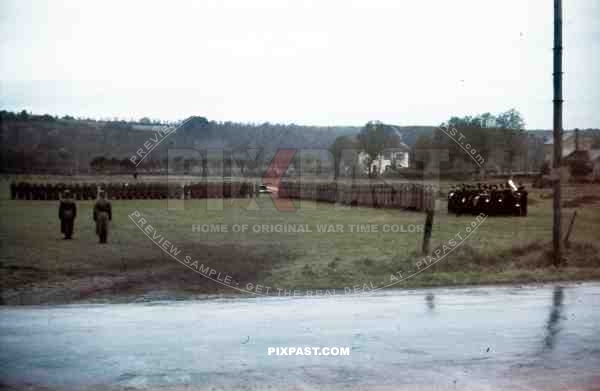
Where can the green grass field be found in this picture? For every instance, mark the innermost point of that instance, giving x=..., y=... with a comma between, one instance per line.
x=38, y=266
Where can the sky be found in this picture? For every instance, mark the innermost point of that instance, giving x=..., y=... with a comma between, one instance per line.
x=323, y=62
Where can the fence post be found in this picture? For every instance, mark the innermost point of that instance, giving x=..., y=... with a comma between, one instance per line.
x=427, y=231
x=570, y=228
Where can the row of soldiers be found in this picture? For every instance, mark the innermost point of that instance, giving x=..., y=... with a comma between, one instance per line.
x=43, y=191
x=491, y=199
x=116, y=191
x=411, y=196
x=67, y=212
x=135, y=191
x=220, y=190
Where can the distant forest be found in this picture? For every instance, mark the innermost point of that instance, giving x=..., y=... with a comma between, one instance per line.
x=67, y=145
x=47, y=144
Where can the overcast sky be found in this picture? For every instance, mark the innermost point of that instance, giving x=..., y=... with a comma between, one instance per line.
x=323, y=62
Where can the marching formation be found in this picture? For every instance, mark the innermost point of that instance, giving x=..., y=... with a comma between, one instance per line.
x=502, y=199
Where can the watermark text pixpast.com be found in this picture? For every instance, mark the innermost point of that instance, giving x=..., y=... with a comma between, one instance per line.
x=308, y=351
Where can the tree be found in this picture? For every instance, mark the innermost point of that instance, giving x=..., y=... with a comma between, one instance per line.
x=114, y=164
x=595, y=141
x=8, y=115
x=510, y=119
x=545, y=169
x=421, y=154
x=64, y=154
x=126, y=165
x=487, y=120
x=374, y=138
x=242, y=158
x=464, y=122
x=98, y=163
x=487, y=134
x=340, y=144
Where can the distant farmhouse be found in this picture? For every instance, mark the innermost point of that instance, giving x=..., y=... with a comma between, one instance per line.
x=390, y=159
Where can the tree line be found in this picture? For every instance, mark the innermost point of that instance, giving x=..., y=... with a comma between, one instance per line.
x=496, y=143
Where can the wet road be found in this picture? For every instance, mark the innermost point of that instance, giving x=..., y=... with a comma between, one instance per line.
x=476, y=338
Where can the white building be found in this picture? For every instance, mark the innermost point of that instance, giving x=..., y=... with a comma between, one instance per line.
x=385, y=160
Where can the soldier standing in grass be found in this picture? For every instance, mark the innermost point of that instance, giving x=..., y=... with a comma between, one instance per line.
x=67, y=211
x=102, y=215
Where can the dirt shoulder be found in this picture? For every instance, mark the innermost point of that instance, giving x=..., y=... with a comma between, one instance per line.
x=159, y=279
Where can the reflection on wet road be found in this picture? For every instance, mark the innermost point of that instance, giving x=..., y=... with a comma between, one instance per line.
x=495, y=337
x=553, y=326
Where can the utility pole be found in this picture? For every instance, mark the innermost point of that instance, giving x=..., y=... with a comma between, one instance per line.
x=557, y=128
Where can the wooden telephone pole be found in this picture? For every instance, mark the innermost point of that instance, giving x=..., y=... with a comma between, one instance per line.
x=557, y=128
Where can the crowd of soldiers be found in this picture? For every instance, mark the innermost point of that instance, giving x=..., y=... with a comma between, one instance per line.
x=490, y=199
x=67, y=213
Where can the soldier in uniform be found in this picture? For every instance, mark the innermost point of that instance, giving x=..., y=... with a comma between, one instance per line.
x=102, y=215
x=67, y=212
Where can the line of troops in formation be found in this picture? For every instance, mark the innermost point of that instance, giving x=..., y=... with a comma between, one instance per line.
x=88, y=191
x=491, y=199
x=133, y=191
x=412, y=196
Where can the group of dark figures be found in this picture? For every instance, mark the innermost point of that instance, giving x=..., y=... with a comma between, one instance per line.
x=133, y=191
x=502, y=199
x=67, y=212
x=48, y=191
x=408, y=196
x=114, y=191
